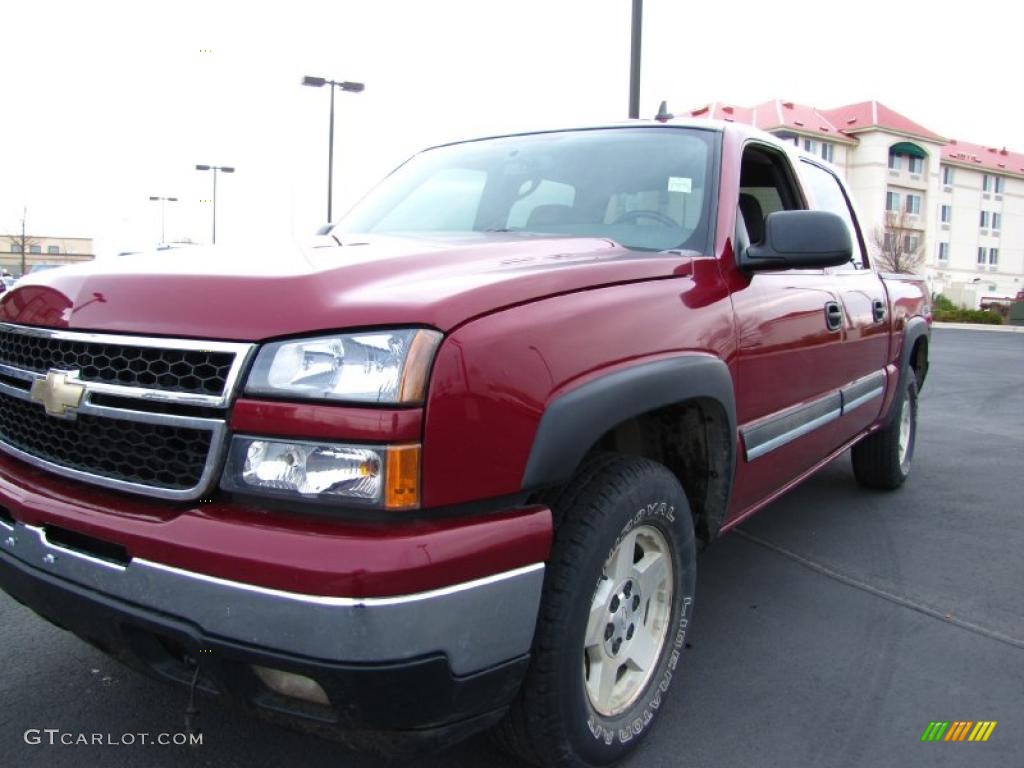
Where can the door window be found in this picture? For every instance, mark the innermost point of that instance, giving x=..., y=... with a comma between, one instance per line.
x=766, y=186
x=829, y=196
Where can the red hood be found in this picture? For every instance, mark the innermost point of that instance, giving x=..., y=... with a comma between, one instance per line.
x=247, y=295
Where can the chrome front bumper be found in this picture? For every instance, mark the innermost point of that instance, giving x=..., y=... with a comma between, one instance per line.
x=475, y=624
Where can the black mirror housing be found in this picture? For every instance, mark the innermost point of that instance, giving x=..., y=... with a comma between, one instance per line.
x=799, y=240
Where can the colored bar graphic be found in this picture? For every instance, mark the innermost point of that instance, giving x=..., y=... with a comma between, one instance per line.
x=959, y=730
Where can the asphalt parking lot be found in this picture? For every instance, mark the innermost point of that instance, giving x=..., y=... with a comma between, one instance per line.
x=828, y=632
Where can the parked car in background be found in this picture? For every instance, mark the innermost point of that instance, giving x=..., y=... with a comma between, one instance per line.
x=447, y=470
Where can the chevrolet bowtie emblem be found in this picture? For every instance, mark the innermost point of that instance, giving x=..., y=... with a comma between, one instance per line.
x=57, y=393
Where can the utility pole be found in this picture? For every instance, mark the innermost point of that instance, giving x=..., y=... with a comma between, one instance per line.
x=634, y=60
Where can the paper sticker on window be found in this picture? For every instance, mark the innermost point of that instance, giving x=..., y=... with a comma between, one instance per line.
x=680, y=184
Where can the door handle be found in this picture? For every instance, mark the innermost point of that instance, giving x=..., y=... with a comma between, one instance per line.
x=833, y=316
x=878, y=310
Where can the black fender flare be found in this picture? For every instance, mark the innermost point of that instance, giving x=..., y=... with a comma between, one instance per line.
x=915, y=328
x=573, y=422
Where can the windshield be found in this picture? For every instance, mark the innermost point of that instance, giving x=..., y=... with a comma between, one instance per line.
x=646, y=188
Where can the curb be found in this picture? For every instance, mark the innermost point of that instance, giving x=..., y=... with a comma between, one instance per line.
x=980, y=327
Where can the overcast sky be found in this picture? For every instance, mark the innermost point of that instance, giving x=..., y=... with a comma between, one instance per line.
x=103, y=104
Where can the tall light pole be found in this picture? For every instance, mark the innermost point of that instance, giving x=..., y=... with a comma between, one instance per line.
x=319, y=82
x=215, y=168
x=163, y=202
x=634, y=59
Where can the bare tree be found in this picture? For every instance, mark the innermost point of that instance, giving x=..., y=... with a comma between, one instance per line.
x=23, y=243
x=899, y=243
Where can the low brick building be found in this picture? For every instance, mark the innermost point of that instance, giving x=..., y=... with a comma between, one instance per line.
x=42, y=250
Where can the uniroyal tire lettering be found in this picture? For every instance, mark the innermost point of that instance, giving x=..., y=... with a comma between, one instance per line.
x=600, y=732
x=646, y=716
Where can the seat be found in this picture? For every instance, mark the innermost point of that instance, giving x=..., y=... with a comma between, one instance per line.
x=753, y=217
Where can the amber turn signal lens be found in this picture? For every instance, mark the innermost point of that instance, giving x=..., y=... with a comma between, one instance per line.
x=413, y=386
x=402, y=478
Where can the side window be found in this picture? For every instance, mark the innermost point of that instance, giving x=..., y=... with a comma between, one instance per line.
x=829, y=196
x=766, y=186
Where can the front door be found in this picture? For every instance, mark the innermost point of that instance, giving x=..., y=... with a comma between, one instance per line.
x=789, y=328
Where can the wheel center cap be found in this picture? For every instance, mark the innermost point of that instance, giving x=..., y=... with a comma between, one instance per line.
x=623, y=617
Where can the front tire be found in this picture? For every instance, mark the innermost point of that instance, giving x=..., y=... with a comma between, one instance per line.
x=882, y=460
x=618, y=599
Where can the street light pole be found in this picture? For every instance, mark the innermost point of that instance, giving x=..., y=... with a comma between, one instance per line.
x=319, y=82
x=214, y=236
x=330, y=161
x=215, y=168
x=634, y=59
x=163, y=202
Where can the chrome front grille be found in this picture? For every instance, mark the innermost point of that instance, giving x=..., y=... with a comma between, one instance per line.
x=151, y=417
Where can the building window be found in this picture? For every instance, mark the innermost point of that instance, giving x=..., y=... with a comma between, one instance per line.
x=999, y=185
x=15, y=248
x=892, y=201
x=826, y=151
x=34, y=249
x=53, y=249
x=997, y=220
x=811, y=146
x=984, y=220
x=914, y=205
x=915, y=164
x=910, y=243
x=894, y=162
x=981, y=255
x=946, y=214
x=993, y=256
x=986, y=183
x=943, y=251
x=888, y=244
x=947, y=176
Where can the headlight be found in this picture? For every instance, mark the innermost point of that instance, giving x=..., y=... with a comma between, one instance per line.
x=378, y=476
x=386, y=367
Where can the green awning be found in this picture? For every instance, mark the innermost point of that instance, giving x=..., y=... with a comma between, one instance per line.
x=906, y=148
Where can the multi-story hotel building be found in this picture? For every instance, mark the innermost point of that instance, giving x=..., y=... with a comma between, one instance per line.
x=960, y=205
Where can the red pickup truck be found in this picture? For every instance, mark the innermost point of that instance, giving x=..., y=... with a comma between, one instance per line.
x=446, y=470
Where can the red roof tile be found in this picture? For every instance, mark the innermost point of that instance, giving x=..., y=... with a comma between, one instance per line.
x=728, y=112
x=775, y=115
x=998, y=160
x=842, y=123
x=872, y=114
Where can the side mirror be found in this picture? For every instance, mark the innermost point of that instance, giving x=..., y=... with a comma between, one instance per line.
x=799, y=240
